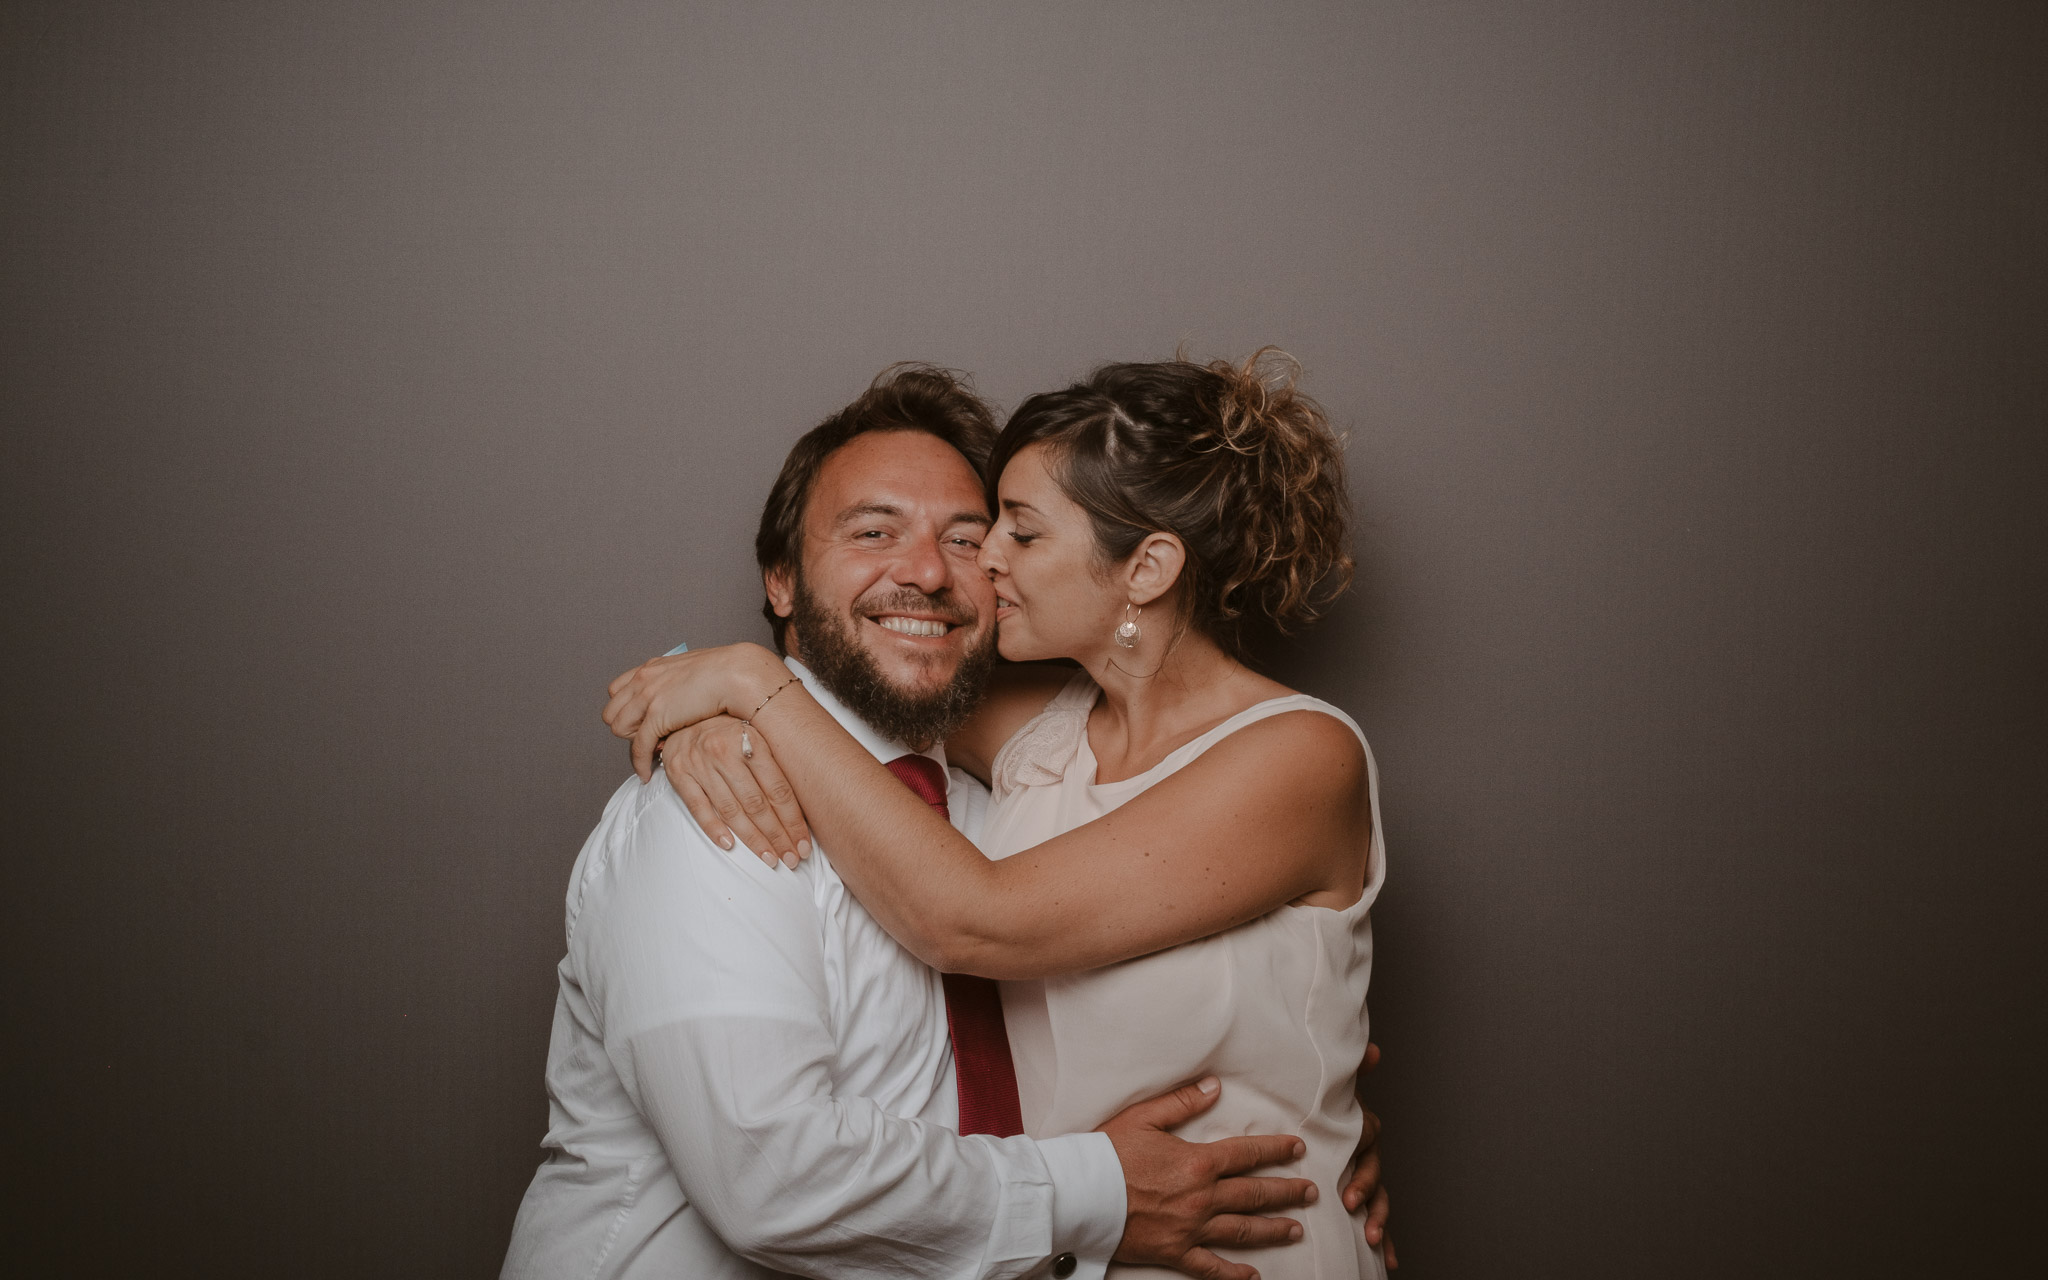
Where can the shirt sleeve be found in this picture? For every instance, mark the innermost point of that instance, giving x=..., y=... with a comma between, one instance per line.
x=708, y=973
x=1088, y=1199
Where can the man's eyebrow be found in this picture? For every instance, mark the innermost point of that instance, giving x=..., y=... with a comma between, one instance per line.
x=859, y=509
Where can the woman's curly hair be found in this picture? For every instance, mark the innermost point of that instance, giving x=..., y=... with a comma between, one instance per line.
x=1231, y=459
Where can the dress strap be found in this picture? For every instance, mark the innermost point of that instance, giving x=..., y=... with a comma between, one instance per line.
x=1038, y=754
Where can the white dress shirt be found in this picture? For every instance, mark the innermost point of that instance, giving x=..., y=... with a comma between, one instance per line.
x=748, y=1077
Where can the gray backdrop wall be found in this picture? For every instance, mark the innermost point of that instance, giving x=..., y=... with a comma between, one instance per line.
x=381, y=379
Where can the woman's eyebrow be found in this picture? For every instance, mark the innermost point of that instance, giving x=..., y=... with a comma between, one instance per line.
x=1014, y=504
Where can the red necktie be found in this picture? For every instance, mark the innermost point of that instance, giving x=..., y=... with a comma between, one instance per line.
x=974, y=1008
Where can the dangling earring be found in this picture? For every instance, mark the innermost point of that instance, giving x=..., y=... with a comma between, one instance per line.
x=1126, y=632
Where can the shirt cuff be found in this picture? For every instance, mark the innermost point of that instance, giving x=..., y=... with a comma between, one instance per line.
x=1087, y=1199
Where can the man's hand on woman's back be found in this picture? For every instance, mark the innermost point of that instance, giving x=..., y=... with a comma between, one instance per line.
x=1182, y=1197
x=1363, y=1187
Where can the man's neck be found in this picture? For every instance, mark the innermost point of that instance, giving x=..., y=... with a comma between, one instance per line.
x=793, y=651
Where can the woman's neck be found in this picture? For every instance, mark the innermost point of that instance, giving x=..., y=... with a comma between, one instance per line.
x=1156, y=698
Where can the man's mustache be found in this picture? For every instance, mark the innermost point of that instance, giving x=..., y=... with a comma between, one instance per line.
x=913, y=601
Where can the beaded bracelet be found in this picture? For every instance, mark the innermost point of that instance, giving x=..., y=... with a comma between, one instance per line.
x=749, y=718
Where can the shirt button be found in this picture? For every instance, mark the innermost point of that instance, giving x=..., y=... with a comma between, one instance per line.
x=1063, y=1266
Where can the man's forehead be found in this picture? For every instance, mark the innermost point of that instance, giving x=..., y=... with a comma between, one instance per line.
x=897, y=472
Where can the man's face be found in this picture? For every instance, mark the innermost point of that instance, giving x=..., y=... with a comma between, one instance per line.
x=889, y=608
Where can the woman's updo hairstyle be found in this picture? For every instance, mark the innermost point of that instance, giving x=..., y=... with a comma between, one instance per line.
x=1232, y=460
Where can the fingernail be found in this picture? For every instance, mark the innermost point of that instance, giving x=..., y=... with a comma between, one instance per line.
x=803, y=848
x=1299, y=1149
x=789, y=860
x=725, y=842
x=1294, y=1232
x=1310, y=1196
x=1210, y=1084
x=1373, y=1234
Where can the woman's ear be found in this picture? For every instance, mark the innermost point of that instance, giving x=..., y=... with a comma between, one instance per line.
x=1154, y=567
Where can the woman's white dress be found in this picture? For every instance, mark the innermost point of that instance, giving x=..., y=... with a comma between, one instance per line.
x=1275, y=1008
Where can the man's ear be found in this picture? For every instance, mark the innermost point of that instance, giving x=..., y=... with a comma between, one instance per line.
x=1154, y=567
x=781, y=587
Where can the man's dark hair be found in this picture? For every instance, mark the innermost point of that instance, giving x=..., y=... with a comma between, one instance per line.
x=903, y=397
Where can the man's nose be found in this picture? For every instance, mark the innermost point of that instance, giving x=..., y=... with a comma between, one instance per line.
x=922, y=565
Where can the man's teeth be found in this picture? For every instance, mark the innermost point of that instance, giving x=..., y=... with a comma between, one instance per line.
x=914, y=626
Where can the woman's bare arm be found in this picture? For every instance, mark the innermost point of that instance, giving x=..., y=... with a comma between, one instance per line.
x=730, y=782
x=1275, y=813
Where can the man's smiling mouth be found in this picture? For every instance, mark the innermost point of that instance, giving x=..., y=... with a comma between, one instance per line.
x=912, y=626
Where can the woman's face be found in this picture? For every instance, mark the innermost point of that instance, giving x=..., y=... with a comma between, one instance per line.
x=1054, y=598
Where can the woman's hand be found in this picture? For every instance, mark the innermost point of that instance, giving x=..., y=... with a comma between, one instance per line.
x=728, y=780
x=661, y=696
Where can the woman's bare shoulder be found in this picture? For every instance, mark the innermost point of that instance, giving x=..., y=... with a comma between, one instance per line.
x=1306, y=746
x=1297, y=781
x=1016, y=692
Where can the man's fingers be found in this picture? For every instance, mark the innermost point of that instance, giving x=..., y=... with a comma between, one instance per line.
x=1242, y=1155
x=1369, y=1132
x=1204, y=1265
x=1235, y=1231
x=1174, y=1107
x=1263, y=1195
x=1376, y=1217
x=1364, y=1180
x=1387, y=1253
x=1372, y=1056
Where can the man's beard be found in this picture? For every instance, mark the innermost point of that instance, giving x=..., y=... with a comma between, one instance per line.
x=827, y=645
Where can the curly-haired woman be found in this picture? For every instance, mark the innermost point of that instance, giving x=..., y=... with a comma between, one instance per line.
x=1183, y=852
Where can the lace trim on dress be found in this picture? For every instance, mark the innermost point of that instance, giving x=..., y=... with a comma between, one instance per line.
x=1038, y=754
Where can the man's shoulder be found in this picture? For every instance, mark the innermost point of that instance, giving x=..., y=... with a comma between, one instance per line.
x=647, y=852
x=665, y=925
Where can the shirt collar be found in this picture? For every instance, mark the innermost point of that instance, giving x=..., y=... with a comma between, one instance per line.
x=881, y=748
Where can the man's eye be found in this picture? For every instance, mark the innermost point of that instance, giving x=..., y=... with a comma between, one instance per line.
x=970, y=543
